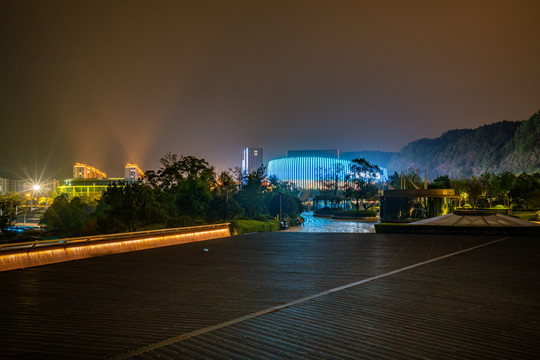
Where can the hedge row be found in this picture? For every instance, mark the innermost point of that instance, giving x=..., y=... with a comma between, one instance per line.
x=340, y=212
x=249, y=226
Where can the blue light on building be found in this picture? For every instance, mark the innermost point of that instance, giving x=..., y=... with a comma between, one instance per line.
x=313, y=172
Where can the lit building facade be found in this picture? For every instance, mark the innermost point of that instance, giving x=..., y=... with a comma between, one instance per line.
x=86, y=188
x=133, y=172
x=310, y=172
x=328, y=153
x=253, y=160
x=314, y=172
x=83, y=171
x=89, y=182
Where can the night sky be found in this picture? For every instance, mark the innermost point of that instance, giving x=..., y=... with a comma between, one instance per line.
x=110, y=82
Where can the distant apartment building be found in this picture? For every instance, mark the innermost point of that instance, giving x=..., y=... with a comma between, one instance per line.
x=253, y=159
x=133, y=172
x=9, y=186
x=3, y=186
x=83, y=171
x=49, y=187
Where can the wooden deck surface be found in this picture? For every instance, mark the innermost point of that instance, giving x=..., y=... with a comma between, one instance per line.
x=262, y=296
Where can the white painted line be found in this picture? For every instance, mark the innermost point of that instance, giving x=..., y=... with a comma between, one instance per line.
x=289, y=304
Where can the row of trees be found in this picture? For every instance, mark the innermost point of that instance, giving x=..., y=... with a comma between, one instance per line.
x=8, y=212
x=187, y=191
x=359, y=184
x=356, y=182
x=184, y=191
x=507, y=189
x=488, y=189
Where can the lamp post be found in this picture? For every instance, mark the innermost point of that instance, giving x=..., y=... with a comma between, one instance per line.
x=280, y=207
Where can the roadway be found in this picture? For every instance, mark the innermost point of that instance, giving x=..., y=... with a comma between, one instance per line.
x=283, y=295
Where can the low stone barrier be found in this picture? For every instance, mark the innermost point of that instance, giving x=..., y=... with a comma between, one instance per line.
x=357, y=218
x=36, y=253
x=349, y=218
x=397, y=228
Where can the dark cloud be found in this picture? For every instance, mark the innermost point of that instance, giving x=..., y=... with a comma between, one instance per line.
x=126, y=81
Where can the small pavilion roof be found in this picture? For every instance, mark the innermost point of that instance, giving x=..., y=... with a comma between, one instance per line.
x=475, y=219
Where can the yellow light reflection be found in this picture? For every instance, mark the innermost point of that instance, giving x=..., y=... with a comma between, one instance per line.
x=27, y=258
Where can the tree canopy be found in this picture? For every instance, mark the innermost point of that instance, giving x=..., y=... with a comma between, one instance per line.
x=67, y=218
x=184, y=191
x=359, y=183
x=8, y=213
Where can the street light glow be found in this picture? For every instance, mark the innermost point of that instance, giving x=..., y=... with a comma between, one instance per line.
x=36, y=187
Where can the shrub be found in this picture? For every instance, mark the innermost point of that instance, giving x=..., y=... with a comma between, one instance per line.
x=359, y=213
x=249, y=226
x=263, y=217
x=329, y=211
x=181, y=221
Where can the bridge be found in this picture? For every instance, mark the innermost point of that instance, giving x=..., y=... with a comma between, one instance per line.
x=283, y=295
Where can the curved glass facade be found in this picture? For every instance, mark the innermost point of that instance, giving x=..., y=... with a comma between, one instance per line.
x=310, y=172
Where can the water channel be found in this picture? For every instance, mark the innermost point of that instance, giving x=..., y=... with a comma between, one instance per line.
x=317, y=224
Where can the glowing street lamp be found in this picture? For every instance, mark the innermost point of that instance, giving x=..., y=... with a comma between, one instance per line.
x=35, y=189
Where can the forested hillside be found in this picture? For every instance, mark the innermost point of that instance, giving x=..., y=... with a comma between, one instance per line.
x=504, y=146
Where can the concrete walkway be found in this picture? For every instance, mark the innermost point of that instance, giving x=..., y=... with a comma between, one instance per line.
x=323, y=225
x=283, y=296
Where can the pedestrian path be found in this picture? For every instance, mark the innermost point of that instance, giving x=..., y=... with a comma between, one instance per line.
x=282, y=295
x=324, y=225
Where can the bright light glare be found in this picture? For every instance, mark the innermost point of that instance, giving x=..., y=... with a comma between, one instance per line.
x=36, y=187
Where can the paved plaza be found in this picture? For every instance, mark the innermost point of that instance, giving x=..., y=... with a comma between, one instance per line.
x=283, y=295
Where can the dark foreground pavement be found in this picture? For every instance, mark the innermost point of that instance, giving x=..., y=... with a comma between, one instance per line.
x=393, y=297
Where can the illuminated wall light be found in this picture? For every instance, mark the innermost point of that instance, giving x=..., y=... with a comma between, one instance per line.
x=26, y=258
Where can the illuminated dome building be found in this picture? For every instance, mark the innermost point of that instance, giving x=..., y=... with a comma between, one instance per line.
x=312, y=170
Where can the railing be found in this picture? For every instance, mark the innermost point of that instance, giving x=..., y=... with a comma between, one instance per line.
x=44, y=252
x=109, y=237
